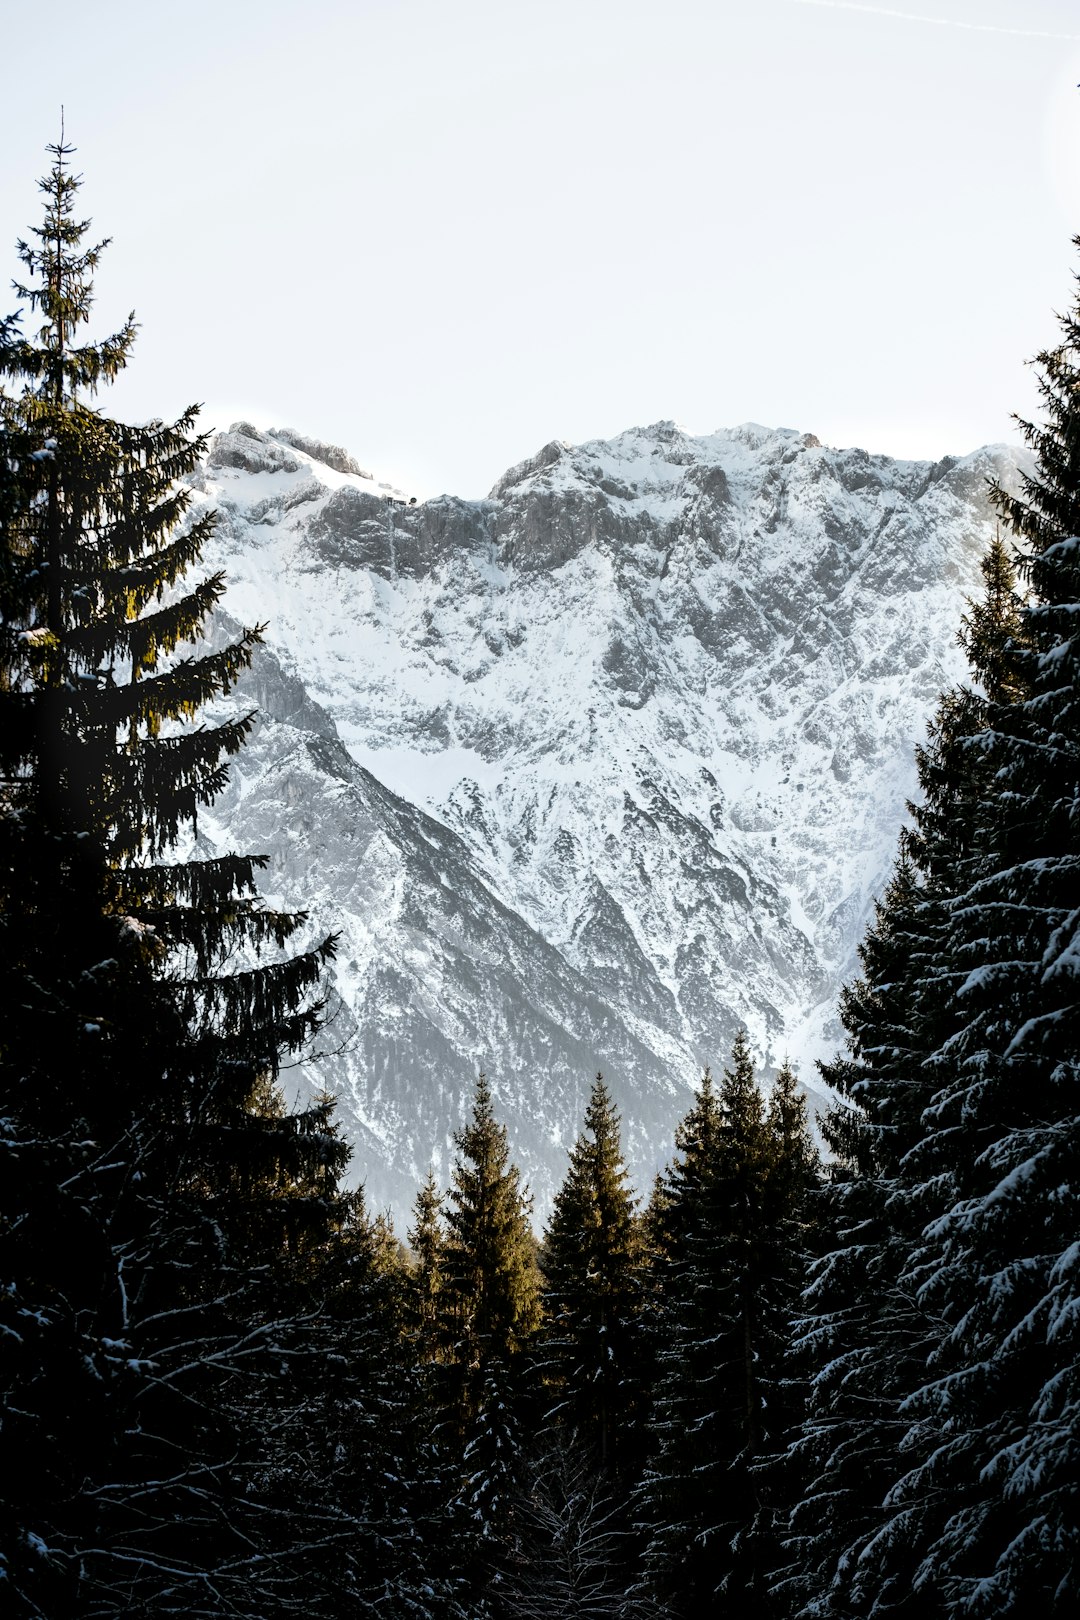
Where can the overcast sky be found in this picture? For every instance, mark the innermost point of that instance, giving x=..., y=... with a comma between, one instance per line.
x=443, y=232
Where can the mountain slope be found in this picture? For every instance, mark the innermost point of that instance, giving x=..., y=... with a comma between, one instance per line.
x=638, y=731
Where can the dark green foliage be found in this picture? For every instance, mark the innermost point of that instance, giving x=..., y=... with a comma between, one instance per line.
x=491, y=1464
x=592, y=1265
x=731, y=1266
x=485, y=1285
x=490, y=1295
x=679, y=1481
x=426, y=1242
x=945, y=1310
x=862, y=1335
x=153, y=1186
x=1000, y=1263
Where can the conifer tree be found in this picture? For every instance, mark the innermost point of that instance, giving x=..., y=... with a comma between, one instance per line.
x=153, y=1173
x=788, y=1239
x=861, y=1335
x=999, y=1263
x=727, y=1282
x=489, y=1311
x=490, y=1290
x=426, y=1240
x=868, y=1326
x=591, y=1261
x=492, y=1469
x=668, y=1498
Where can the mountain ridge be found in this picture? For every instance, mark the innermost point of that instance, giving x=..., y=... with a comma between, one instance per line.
x=663, y=690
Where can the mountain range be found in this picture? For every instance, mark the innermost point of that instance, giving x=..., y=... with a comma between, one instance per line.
x=589, y=774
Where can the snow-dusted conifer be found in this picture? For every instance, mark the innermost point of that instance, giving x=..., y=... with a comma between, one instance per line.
x=591, y=1262
x=1000, y=1264
x=728, y=1278
x=860, y=1335
x=570, y=1559
x=490, y=1295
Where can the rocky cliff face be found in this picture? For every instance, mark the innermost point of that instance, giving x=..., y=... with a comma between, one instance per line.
x=590, y=773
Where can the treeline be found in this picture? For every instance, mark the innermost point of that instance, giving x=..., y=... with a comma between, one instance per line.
x=777, y=1389
x=610, y=1403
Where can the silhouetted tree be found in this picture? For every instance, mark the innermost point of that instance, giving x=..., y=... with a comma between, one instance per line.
x=591, y=1261
x=152, y=1180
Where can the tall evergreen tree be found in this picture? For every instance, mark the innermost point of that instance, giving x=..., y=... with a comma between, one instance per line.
x=729, y=1275
x=868, y=1326
x=426, y=1241
x=152, y=1175
x=788, y=1239
x=670, y=1496
x=862, y=1335
x=491, y=1294
x=591, y=1261
x=1000, y=1263
x=490, y=1310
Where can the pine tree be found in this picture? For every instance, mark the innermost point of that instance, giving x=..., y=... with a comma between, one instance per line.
x=591, y=1261
x=426, y=1244
x=669, y=1496
x=727, y=1282
x=489, y=1311
x=1000, y=1263
x=862, y=1335
x=490, y=1291
x=788, y=1239
x=869, y=1327
x=153, y=1176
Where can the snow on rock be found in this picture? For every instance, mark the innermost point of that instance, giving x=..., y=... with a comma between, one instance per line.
x=626, y=751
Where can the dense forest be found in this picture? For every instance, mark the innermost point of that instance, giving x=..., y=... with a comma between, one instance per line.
x=837, y=1384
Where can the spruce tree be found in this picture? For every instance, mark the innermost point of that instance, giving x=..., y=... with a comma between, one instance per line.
x=869, y=1326
x=732, y=1253
x=153, y=1176
x=861, y=1334
x=591, y=1261
x=789, y=1237
x=999, y=1264
x=426, y=1240
x=489, y=1309
x=491, y=1295
x=669, y=1496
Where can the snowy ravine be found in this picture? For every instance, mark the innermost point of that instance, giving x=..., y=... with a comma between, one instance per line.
x=592, y=772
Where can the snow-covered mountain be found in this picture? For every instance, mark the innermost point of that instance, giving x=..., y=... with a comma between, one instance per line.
x=592, y=772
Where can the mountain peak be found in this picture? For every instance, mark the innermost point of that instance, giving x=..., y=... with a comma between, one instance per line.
x=644, y=724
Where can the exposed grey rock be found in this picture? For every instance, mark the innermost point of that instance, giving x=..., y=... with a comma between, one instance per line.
x=331, y=455
x=593, y=773
x=244, y=449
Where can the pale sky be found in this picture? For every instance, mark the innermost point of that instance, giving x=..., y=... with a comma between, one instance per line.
x=443, y=232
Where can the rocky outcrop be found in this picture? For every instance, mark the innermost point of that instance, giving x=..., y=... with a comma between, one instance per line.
x=331, y=455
